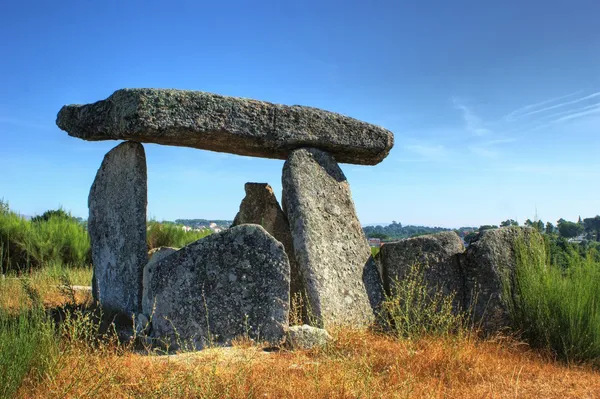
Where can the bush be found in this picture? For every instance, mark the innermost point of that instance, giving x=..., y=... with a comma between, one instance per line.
x=25, y=245
x=171, y=235
x=416, y=310
x=556, y=306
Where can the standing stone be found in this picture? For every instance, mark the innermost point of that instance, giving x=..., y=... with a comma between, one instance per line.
x=229, y=284
x=486, y=263
x=261, y=207
x=117, y=228
x=435, y=254
x=334, y=258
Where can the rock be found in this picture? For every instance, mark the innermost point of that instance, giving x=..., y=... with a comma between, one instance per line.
x=437, y=254
x=261, y=207
x=117, y=228
x=157, y=254
x=306, y=337
x=484, y=264
x=334, y=258
x=225, y=124
x=229, y=284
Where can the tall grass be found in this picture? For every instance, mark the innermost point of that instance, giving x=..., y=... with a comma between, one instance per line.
x=28, y=345
x=171, y=235
x=25, y=245
x=556, y=307
x=416, y=309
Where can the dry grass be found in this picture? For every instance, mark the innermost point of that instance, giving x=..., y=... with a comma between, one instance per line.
x=358, y=364
x=47, y=282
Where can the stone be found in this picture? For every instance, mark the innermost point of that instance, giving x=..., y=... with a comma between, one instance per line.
x=260, y=206
x=306, y=337
x=117, y=228
x=437, y=254
x=157, y=254
x=224, y=124
x=334, y=259
x=486, y=262
x=229, y=284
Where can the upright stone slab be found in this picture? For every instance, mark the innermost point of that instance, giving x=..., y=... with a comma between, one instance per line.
x=260, y=206
x=486, y=263
x=334, y=258
x=226, y=285
x=436, y=255
x=117, y=228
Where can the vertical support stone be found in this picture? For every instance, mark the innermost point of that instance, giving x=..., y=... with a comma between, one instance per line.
x=334, y=258
x=117, y=228
x=260, y=206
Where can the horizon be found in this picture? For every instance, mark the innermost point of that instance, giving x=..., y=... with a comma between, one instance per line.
x=495, y=108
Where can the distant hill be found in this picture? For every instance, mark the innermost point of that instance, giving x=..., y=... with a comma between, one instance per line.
x=197, y=223
x=396, y=231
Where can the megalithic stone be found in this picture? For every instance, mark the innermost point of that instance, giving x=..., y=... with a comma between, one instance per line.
x=226, y=124
x=117, y=228
x=334, y=258
x=260, y=206
x=230, y=284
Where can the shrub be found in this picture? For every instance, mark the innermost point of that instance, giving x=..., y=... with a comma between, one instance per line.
x=171, y=235
x=416, y=309
x=25, y=245
x=556, y=306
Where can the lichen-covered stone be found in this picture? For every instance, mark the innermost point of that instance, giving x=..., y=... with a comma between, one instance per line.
x=306, y=337
x=260, y=206
x=229, y=284
x=334, y=259
x=435, y=254
x=157, y=254
x=486, y=262
x=225, y=124
x=117, y=228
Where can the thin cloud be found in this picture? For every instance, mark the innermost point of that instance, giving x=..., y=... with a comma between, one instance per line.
x=555, y=106
x=520, y=111
x=473, y=123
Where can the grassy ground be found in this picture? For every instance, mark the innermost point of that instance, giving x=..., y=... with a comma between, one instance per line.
x=357, y=364
x=70, y=361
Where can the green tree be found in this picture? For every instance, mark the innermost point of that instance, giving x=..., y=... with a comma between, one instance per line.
x=549, y=228
x=3, y=206
x=53, y=213
x=592, y=226
x=569, y=229
x=509, y=222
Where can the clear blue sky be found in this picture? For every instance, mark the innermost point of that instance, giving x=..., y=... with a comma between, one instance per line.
x=495, y=107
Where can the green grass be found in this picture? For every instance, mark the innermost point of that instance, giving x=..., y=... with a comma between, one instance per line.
x=28, y=347
x=171, y=235
x=556, y=307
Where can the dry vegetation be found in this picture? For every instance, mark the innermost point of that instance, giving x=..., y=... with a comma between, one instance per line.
x=357, y=364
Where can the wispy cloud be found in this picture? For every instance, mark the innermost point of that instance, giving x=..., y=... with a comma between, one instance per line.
x=543, y=114
x=473, y=123
x=525, y=109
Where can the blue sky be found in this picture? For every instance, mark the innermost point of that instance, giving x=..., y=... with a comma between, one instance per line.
x=495, y=107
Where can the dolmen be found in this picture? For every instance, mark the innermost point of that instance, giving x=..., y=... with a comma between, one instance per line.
x=240, y=281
